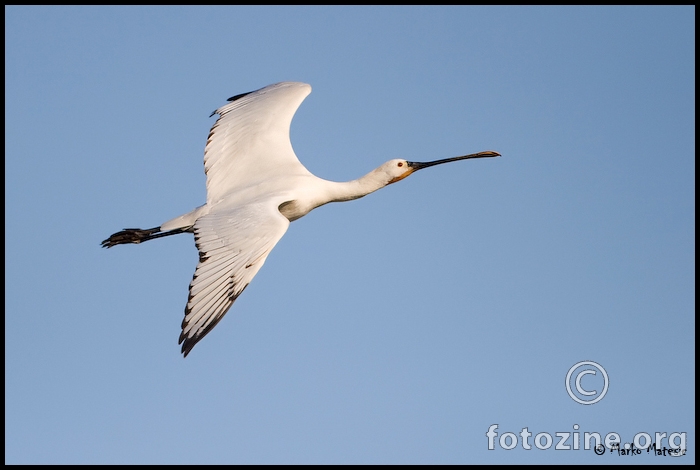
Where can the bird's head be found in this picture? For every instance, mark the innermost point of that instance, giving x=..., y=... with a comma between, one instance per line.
x=397, y=169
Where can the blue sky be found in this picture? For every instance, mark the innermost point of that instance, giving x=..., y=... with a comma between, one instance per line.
x=392, y=329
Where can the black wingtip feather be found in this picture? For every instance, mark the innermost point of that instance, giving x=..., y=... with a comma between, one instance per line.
x=234, y=98
x=189, y=343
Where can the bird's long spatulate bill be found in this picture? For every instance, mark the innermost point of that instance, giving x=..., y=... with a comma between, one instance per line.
x=415, y=166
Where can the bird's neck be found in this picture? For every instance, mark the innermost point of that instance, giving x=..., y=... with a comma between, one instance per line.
x=325, y=191
x=347, y=191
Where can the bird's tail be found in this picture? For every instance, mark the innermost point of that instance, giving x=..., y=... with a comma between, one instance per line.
x=138, y=235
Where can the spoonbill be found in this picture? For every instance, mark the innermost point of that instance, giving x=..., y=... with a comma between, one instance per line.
x=256, y=186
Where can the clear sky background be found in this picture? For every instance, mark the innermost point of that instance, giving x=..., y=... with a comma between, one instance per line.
x=392, y=329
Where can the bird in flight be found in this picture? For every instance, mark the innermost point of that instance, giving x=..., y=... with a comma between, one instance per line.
x=256, y=186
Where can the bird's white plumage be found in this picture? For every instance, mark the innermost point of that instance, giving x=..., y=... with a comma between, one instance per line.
x=249, y=143
x=233, y=245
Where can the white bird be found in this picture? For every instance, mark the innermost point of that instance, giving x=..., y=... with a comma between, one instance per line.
x=256, y=186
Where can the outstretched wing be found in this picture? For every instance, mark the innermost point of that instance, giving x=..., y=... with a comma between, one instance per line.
x=249, y=142
x=233, y=245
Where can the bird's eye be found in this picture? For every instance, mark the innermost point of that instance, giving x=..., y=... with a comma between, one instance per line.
x=400, y=163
